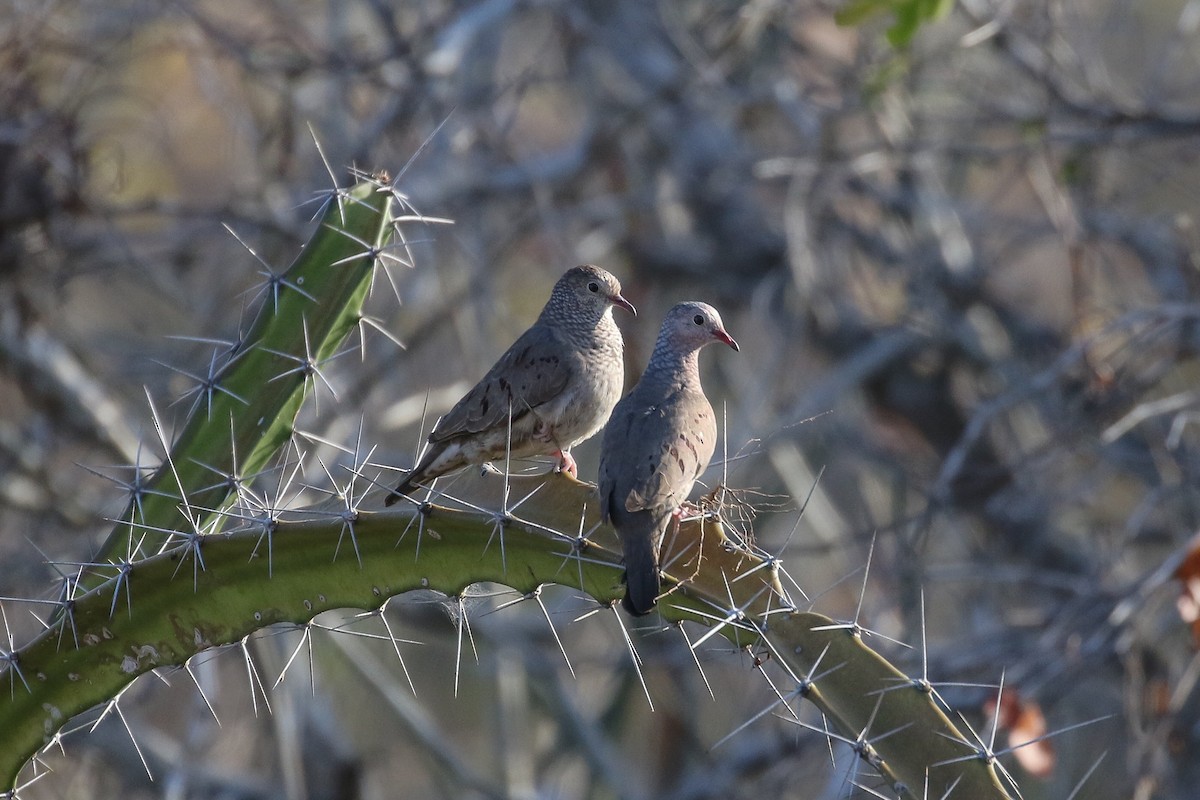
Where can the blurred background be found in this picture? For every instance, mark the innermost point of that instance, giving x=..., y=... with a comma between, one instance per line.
x=963, y=274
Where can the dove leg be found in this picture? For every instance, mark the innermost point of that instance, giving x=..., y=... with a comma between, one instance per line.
x=543, y=431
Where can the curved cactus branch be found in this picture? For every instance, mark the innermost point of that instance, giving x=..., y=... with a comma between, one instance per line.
x=250, y=580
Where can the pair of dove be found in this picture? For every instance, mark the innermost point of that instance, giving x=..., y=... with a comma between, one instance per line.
x=560, y=382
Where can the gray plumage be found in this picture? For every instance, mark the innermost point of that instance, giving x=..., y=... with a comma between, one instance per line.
x=657, y=442
x=559, y=381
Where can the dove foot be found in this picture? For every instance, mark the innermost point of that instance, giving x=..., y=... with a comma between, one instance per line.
x=566, y=463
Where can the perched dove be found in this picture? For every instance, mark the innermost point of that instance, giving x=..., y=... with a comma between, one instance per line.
x=658, y=441
x=558, y=382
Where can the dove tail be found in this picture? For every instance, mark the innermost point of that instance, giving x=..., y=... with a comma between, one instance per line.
x=405, y=487
x=641, y=568
x=420, y=473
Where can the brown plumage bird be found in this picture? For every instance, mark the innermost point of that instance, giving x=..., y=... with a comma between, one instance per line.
x=658, y=441
x=558, y=382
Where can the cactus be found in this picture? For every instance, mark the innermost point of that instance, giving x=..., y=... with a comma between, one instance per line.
x=245, y=407
x=207, y=575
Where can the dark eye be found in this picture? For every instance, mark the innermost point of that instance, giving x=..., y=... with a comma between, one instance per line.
x=698, y=319
x=593, y=287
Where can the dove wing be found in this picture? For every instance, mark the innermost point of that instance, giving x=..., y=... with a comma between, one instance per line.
x=667, y=446
x=535, y=370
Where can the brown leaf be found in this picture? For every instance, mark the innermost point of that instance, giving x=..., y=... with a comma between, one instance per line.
x=1025, y=723
x=1188, y=573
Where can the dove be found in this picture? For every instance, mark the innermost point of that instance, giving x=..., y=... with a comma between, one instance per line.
x=657, y=442
x=553, y=388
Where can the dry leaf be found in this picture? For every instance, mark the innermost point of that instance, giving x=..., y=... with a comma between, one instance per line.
x=1025, y=723
x=1188, y=573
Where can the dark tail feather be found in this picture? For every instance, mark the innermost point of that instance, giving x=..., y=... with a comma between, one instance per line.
x=418, y=474
x=641, y=572
x=406, y=486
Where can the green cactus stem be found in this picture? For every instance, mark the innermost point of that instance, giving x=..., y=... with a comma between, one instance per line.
x=249, y=403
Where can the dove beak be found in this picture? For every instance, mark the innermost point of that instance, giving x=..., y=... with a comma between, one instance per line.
x=618, y=300
x=722, y=336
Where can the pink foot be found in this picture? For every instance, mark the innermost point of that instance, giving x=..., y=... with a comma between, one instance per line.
x=566, y=463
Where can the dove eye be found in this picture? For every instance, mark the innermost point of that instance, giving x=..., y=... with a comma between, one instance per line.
x=698, y=319
x=593, y=287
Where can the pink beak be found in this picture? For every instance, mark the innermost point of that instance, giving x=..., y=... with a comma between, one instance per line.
x=618, y=300
x=722, y=336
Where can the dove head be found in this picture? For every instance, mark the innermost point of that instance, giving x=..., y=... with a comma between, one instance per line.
x=690, y=326
x=585, y=294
